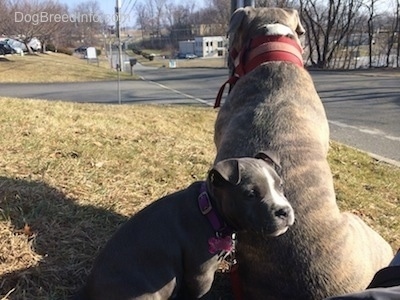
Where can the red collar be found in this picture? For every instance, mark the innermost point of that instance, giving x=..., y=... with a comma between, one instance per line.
x=262, y=49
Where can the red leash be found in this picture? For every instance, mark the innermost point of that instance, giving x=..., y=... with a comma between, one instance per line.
x=236, y=283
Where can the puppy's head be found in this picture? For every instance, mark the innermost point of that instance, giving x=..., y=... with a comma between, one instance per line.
x=249, y=195
x=249, y=22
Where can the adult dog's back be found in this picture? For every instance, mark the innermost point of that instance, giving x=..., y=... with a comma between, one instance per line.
x=276, y=107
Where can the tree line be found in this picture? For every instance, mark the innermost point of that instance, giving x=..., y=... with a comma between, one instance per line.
x=56, y=25
x=339, y=33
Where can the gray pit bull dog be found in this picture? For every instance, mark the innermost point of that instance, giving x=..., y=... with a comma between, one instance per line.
x=273, y=106
x=172, y=248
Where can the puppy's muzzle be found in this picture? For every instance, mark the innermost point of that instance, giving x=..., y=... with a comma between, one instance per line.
x=281, y=218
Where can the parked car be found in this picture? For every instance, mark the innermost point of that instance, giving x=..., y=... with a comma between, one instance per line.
x=81, y=50
x=186, y=55
x=18, y=46
x=190, y=56
x=5, y=48
x=35, y=44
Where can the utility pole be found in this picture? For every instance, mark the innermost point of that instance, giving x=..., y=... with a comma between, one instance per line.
x=118, y=34
x=249, y=3
x=241, y=3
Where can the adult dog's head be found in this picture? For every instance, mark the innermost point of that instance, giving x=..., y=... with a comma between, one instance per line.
x=249, y=22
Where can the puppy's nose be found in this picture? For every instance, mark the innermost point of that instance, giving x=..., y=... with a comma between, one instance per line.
x=286, y=214
x=283, y=213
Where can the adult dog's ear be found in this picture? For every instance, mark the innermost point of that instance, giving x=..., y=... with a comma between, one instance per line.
x=296, y=19
x=225, y=171
x=270, y=157
x=237, y=19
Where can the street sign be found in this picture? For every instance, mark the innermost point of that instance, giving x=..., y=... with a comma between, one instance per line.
x=91, y=53
x=172, y=63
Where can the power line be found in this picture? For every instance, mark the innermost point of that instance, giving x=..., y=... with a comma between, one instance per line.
x=126, y=16
x=127, y=6
x=133, y=6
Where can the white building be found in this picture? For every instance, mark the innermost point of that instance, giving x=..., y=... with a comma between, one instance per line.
x=204, y=46
x=210, y=46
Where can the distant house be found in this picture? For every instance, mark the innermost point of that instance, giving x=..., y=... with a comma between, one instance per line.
x=210, y=46
x=204, y=46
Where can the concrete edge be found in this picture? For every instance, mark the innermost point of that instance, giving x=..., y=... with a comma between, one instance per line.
x=377, y=157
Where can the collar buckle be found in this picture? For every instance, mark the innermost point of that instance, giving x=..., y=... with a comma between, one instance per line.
x=204, y=203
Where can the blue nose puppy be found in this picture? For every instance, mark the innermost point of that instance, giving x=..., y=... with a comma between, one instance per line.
x=172, y=248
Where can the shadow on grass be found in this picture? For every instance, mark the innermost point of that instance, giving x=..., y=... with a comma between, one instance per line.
x=5, y=59
x=66, y=235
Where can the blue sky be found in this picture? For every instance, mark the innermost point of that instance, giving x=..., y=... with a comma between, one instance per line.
x=107, y=6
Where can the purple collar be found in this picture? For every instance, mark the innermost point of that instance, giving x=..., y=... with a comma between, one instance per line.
x=220, y=227
x=222, y=242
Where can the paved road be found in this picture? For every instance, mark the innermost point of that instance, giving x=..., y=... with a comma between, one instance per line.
x=363, y=108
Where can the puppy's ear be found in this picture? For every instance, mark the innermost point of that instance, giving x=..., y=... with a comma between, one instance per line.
x=225, y=171
x=296, y=18
x=270, y=157
x=237, y=19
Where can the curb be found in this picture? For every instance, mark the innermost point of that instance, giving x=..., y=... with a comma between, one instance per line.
x=384, y=159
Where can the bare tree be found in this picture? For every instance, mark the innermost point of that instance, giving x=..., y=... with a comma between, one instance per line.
x=371, y=16
x=150, y=18
x=159, y=15
x=4, y=12
x=387, y=27
x=142, y=18
x=14, y=23
x=214, y=17
x=53, y=26
x=88, y=22
x=387, y=35
x=50, y=22
x=276, y=3
x=397, y=30
x=223, y=11
x=326, y=27
x=31, y=19
x=180, y=20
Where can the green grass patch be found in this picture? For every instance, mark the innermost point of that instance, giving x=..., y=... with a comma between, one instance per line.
x=71, y=173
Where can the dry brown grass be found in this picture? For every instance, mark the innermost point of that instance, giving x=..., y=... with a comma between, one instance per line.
x=71, y=173
x=54, y=67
